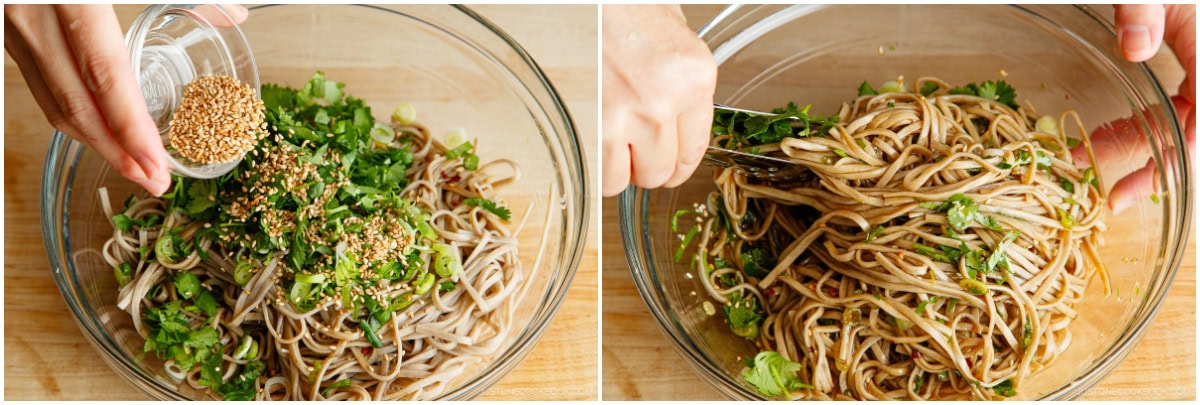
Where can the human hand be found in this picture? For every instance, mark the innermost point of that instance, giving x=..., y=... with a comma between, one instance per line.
x=659, y=79
x=1141, y=30
x=73, y=58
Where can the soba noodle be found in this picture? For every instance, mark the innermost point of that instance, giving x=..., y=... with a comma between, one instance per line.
x=937, y=249
x=418, y=342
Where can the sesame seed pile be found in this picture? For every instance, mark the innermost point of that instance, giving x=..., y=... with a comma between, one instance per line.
x=282, y=168
x=220, y=119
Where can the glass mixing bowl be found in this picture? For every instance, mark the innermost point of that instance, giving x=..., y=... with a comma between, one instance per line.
x=1057, y=57
x=455, y=67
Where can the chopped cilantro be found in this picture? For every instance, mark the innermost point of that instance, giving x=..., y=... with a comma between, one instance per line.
x=742, y=316
x=998, y=91
x=772, y=374
x=928, y=88
x=921, y=306
x=1005, y=389
x=753, y=130
x=865, y=89
x=489, y=206
x=757, y=262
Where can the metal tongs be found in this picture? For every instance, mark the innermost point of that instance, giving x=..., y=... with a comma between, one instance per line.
x=757, y=166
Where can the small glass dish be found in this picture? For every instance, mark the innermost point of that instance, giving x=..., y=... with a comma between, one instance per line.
x=171, y=45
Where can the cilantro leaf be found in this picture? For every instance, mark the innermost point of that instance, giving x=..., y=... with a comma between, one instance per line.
x=241, y=387
x=123, y=222
x=201, y=196
x=772, y=374
x=741, y=314
x=1005, y=389
x=929, y=88
x=210, y=372
x=999, y=91
x=997, y=257
x=757, y=262
x=865, y=89
x=202, y=338
x=752, y=130
x=489, y=206
x=921, y=306
x=207, y=303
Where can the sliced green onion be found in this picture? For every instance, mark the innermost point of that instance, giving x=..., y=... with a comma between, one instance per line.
x=244, y=347
x=369, y=333
x=892, y=86
x=1065, y=218
x=243, y=272
x=446, y=262
x=471, y=161
x=382, y=134
x=310, y=278
x=424, y=284
x=455, y=137
x=709, y=309
x=852, y=316
x=164, y=249
x=403, y=301
x=1047, y=125
x=973, y=286
x=124, y=274
x=404, y=114
x=424, y=228
x=298, y=292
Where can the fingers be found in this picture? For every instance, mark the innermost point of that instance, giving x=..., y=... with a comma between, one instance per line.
x=93, y=33
x=1131, y=188
x=616, y=168
x=653, y=151
x=1180, y=35
x=74, y=111
x=695, y=130
x=1122, y=140
x=1140, y=30
x=215, y=17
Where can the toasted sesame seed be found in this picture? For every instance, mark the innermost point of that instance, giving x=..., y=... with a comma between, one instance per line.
x=217, y=121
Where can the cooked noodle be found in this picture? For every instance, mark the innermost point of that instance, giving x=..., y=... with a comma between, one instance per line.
x=866, y=312
x=425, y=346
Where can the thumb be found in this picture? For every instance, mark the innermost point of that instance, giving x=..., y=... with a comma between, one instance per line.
x=1140, y=30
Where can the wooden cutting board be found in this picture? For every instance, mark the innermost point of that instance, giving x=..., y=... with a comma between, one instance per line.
x=46, y=356
x=641, y=363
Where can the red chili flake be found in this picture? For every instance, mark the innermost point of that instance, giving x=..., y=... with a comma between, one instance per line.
x=455, y=178
x=444, y=176
x=970, y=364
x=916, y=354
x=453, y=203
x=366, y=351
x=832, y=292
x=812, y=349
x=770, y=292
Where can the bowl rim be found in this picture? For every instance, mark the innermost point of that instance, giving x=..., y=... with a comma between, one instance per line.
x=571, y=185
x=636, y=239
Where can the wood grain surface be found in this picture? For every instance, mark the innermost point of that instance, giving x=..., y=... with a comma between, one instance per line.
x=46, y=356
x=641, y=363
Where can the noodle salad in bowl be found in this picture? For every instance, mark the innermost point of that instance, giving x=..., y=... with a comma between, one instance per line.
x=937, y=248
x=343, y=259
